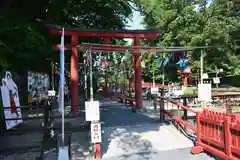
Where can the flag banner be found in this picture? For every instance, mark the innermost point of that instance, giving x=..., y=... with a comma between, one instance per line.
x=166, y=61
x=159, y=63
x=185, y=64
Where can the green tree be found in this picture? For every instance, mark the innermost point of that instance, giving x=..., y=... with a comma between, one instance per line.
x=24, y=40
x=194, y=23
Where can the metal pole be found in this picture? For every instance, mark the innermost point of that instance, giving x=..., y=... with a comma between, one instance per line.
x=201, y=61
x=62, y=80
x=216, y=78
x=163, y=78
x=153, y=76
x=90, y=75
x=85, y=77
x=53, y=75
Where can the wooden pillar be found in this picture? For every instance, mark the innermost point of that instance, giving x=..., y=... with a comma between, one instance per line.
x=74, y=74
x=185, y=115
x=162, y=108
x=106, y=90
x=138, y=75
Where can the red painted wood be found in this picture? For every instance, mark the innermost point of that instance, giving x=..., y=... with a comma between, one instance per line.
x=138, y=74
x=216, y=132
x=74, y=74
x=228, y=137
x=181, y=121
x=98, y=151
x=112, y=34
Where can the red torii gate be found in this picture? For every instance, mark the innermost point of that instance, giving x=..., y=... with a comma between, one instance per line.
x=75, y=33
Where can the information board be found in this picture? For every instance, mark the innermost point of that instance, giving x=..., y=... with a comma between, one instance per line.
x=96, y=136
x=92, y=111
x=216, y=80
x=154, y=90
x=205, y=92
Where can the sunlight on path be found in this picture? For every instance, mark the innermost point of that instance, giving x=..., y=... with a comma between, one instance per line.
x=150, y=138
x=140, y=136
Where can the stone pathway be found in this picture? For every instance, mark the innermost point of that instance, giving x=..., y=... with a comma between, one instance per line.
x=140, y=136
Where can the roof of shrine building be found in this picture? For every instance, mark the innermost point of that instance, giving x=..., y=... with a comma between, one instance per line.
x=138, y=31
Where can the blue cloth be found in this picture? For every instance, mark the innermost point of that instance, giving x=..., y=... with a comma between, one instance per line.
x=183, y=63
x=159, y=63
x=166, y=62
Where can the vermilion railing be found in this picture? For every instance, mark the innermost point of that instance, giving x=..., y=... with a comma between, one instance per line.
x=218, y=133
x=181, y=120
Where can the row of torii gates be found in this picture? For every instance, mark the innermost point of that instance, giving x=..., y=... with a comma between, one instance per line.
x=107, y=35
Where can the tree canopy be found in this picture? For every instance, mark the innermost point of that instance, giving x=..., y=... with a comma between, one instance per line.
x=24, y=40
x=197, y=23
x=25, y=43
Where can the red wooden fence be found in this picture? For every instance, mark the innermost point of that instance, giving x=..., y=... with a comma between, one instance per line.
x=218, y=134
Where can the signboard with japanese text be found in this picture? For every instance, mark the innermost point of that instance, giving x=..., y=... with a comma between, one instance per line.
x=96, y=136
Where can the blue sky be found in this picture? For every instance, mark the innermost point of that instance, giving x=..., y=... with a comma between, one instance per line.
x=135, y=22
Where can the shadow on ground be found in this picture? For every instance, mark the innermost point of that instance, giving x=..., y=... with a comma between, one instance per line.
x=117, y=123
x=25, y=145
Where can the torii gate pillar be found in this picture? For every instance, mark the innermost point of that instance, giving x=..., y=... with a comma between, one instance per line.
x=106, y=41
x=138, y=74
x=74, y=74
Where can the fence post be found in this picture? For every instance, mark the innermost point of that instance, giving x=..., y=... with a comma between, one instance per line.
x=185, y=114
x=198, y=128
x=228, y=107
x=155, y=102
x=162, y=110
x=98, y=152
x=178, y=114
x=227, y=137
x=197, y=148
